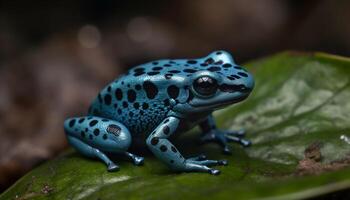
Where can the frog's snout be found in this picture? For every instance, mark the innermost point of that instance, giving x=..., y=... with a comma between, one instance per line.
x=245, y=78
x=249, y=82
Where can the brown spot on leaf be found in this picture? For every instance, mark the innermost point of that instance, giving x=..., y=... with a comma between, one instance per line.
x=311, y=164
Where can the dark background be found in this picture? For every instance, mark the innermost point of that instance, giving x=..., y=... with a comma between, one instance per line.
x=55, y=56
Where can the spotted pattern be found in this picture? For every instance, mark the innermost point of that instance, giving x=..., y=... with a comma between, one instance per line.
x=173, y=91
x=108, y=99
x=125, y=104
x=214, y=69
x=173, y=149
x=118, y=94
x=174, y=71
x=192, y=62
x=157, y=68
x=163, y=148
x=139, y=71
x=190, y=70
x=166, y=130
x=93, y=123
x=150, y=89
x=96, y=132
x=81, y=120
x=154, y=141
x=242, y=74
x=209, y=61
x=145, y=106
x=136, y=105
x=131, y=96
x=71, y=123
x=227, y=65
x=152, y=73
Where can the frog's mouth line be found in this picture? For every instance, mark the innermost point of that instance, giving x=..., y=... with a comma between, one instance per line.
x=222, y=103
x=232, y=102
x=234, y=88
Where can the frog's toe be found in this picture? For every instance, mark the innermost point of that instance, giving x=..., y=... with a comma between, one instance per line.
x=246, y=143
x=203, y=166
x=198, y=158
x=243, y=142
x=238, y=133
x=223, y=162
x=208, y=137
x=210, y=162
x=138, y=160
x=226, y=150
x=113, y=167
x=214, y=171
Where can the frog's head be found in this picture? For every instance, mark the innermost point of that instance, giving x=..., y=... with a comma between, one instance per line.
x=218, y=83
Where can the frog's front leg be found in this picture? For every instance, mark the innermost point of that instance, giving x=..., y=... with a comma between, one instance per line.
x=211, y=133
x=164, y=150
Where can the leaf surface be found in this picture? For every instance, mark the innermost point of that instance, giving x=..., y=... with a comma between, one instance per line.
x=298, y=99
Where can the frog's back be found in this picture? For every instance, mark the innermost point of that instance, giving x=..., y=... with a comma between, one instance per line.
x=139, y=99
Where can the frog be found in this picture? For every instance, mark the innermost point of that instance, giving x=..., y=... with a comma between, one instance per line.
x=153, y=101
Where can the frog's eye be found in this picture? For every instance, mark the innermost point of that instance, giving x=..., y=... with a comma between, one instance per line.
x=205, y=86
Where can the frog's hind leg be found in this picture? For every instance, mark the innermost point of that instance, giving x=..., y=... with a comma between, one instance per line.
x=94, y=137
x=91, y=152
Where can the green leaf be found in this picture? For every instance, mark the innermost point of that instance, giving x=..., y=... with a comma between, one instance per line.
x=298, y=99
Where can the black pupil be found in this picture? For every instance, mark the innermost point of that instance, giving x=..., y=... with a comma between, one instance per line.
x=205, y=85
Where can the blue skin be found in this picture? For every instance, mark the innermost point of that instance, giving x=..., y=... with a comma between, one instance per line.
x=158, y=99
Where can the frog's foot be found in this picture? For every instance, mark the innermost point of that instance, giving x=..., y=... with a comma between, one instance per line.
x=93, y=153
x=138, y=160
x=202, y=160
x=236, y=136
x=223, y=137
x=193, y=164
x=112, y=167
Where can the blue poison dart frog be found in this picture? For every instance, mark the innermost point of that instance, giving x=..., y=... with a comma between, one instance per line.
x=156, y=100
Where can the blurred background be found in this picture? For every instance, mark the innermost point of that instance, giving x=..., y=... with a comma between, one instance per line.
x=55, y=57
